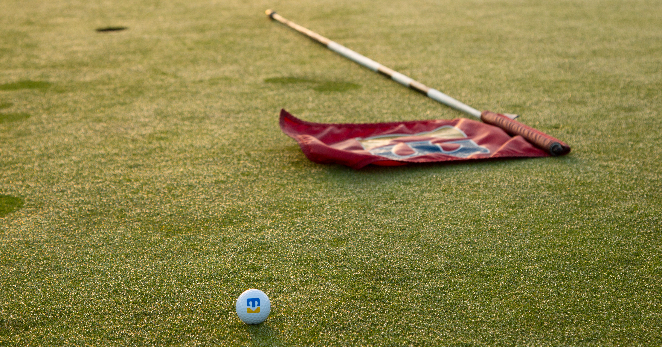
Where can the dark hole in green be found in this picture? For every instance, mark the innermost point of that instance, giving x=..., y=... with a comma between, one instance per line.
x=110, y=29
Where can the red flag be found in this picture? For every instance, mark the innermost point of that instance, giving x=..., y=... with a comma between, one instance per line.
x=399, y=143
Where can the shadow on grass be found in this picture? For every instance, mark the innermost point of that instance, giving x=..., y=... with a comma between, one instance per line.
x=455, y=164
x=25, y=84
x=13, y=117
x=263, y=335
x=9, y=204
x=317, y=85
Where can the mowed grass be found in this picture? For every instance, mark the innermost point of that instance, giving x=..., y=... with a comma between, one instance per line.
x=145, y=183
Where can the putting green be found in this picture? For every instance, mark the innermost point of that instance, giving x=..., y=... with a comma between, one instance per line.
x=145, y=183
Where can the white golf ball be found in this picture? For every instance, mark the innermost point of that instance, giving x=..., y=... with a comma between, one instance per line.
x=253, y=306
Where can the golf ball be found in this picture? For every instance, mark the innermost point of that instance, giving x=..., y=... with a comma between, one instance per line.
x=253, y=306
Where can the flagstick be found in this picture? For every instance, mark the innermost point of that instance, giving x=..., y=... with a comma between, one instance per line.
x=377, y=67
x=505, y=122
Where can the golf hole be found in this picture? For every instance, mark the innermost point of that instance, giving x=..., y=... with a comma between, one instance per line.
x=110, y=29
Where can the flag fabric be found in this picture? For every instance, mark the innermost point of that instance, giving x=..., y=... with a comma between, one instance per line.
x=401, y=143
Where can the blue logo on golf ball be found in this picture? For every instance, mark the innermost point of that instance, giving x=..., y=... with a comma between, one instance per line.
x=253, y=306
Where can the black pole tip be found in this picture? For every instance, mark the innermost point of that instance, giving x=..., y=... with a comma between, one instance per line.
x=556, y=149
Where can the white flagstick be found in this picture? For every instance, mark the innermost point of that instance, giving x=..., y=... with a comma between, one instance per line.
x=377, y=67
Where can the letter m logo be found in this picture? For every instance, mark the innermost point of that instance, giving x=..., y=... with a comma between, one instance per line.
x=253, y=302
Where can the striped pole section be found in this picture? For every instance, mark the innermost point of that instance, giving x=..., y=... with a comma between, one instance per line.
x=503, y=121
x=377, y=67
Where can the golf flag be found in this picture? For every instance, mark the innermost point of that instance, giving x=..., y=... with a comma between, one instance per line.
x=401, y=143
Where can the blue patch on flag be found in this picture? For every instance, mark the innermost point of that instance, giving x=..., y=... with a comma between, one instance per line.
x=420, y=148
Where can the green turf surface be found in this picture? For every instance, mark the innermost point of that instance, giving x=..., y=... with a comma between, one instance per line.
x=144, y=182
